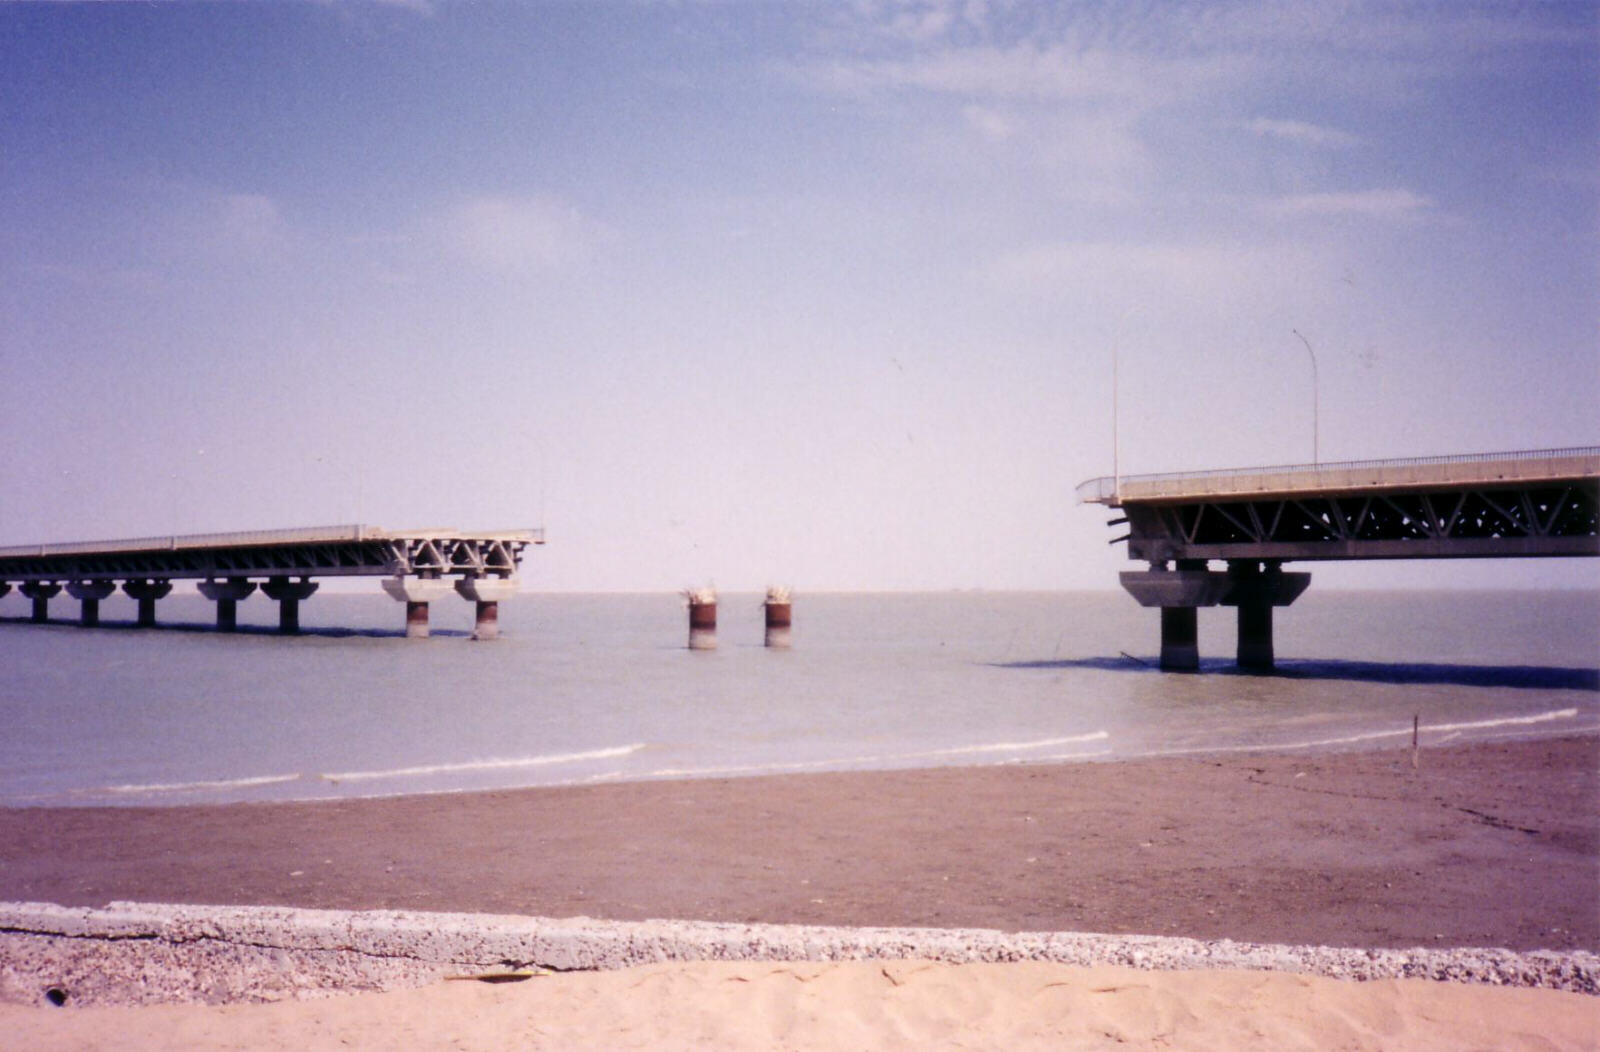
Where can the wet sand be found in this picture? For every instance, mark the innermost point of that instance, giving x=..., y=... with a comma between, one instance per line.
x=1481, y=845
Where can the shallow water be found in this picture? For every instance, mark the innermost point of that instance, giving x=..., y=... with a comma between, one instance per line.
x=585, y=688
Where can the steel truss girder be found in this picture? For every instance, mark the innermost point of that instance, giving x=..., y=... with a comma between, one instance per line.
x=420, y=556
x=1473, y=522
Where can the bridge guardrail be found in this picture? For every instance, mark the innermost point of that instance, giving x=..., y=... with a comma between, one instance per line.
x=1099, y=490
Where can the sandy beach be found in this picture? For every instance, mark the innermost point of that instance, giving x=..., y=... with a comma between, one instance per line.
x=1482, y=845
x=859, y=1005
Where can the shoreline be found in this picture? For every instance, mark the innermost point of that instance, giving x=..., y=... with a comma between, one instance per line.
x=1487, y=844
x=135, y=954
x=97, y=799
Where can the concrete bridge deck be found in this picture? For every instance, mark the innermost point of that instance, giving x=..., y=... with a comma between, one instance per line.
x=1533, y=503
x=1477, y=470
x=418, y=566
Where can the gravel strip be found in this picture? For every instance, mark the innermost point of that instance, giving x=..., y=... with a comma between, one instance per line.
x=130, y=953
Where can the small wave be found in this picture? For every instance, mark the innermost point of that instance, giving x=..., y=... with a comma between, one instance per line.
x=486, y=765
x=1431, y=728
x=181, y=787
x=1434, y=728
x=856, y=762
x=766, y=768
x=1046, y=743
x=1055, y=757
x=1508, y=721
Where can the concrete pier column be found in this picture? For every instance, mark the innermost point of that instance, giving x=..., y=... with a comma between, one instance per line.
x=702, y=618
x=1255, y=588
x=41, y=592
x=288, y=594
x=416, y=593
x=89, y=593
x=486, y=592
x=226, y=594
x=1178, y=593
x=778, y=610
x=147, y=592
x=1180, y=639
x=1255, y=636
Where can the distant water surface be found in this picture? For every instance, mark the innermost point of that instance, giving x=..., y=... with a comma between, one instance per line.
x=587, y=688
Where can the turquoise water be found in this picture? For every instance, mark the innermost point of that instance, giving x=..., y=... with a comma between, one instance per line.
x=587, y=688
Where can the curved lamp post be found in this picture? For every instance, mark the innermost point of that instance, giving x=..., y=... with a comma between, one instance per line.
x=1316, y=426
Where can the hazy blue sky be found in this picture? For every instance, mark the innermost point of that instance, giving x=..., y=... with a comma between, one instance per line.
x=816, y=293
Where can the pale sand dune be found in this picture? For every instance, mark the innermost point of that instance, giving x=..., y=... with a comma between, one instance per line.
x=853, y=1005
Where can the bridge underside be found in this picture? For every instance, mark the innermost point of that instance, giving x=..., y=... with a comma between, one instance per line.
x=1479, y=523
x=370, y=557
x=419, y=566
x=1490, y=506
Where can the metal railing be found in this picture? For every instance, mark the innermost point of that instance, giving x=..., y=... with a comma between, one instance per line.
x=1104, y=488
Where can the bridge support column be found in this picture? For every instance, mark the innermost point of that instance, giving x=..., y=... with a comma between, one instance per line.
x=226, y=594
x=486, y=592
x=1255, y=588
x=416, y=593
x=778, y=610
x=1255, y=636
x=89, y=593
x=1180, y=639
x=1178, y=593
x=41, y=592
x=147, y=592
x=288, y=595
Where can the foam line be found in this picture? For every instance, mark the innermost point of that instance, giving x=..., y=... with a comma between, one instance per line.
x=878, y=761
x=486, y=765
x=179, y=787
x=1045, y=743
x=1508, y=721
x=1504, y=721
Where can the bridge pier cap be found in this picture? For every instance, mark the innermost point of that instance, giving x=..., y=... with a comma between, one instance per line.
x=89, y=594
x=486, y=593
x=416, y=593
x=1530, y=503
x=227, y=595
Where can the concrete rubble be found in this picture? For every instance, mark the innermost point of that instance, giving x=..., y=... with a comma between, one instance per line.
x=130, y=953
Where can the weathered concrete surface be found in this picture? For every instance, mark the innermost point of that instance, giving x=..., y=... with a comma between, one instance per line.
x=137, y=953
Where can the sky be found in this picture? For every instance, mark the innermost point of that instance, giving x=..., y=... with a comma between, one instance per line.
x=824, y=294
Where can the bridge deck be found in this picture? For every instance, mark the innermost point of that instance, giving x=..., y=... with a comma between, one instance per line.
x=316, y=551
x=1476, y=470
x=1487, y=505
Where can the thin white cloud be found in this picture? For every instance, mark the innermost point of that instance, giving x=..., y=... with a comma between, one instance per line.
x=1301, y=133
x=250, y=220
x=1199, y=270
x=1022, y=71
x=926, y=22
x=918, y=21
x=520, y=233
x=990, y=123
x=1426, y=32
x=1377, y=204
x=416, y=7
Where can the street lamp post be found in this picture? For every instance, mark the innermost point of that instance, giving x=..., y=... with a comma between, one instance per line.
x=1316, y=398
x=1116, y=432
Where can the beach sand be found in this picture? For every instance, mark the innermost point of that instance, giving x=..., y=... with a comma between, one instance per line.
x=858, y=1005
x=1481, y=845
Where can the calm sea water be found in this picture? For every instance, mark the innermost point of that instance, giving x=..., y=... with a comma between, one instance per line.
x=587, y=688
